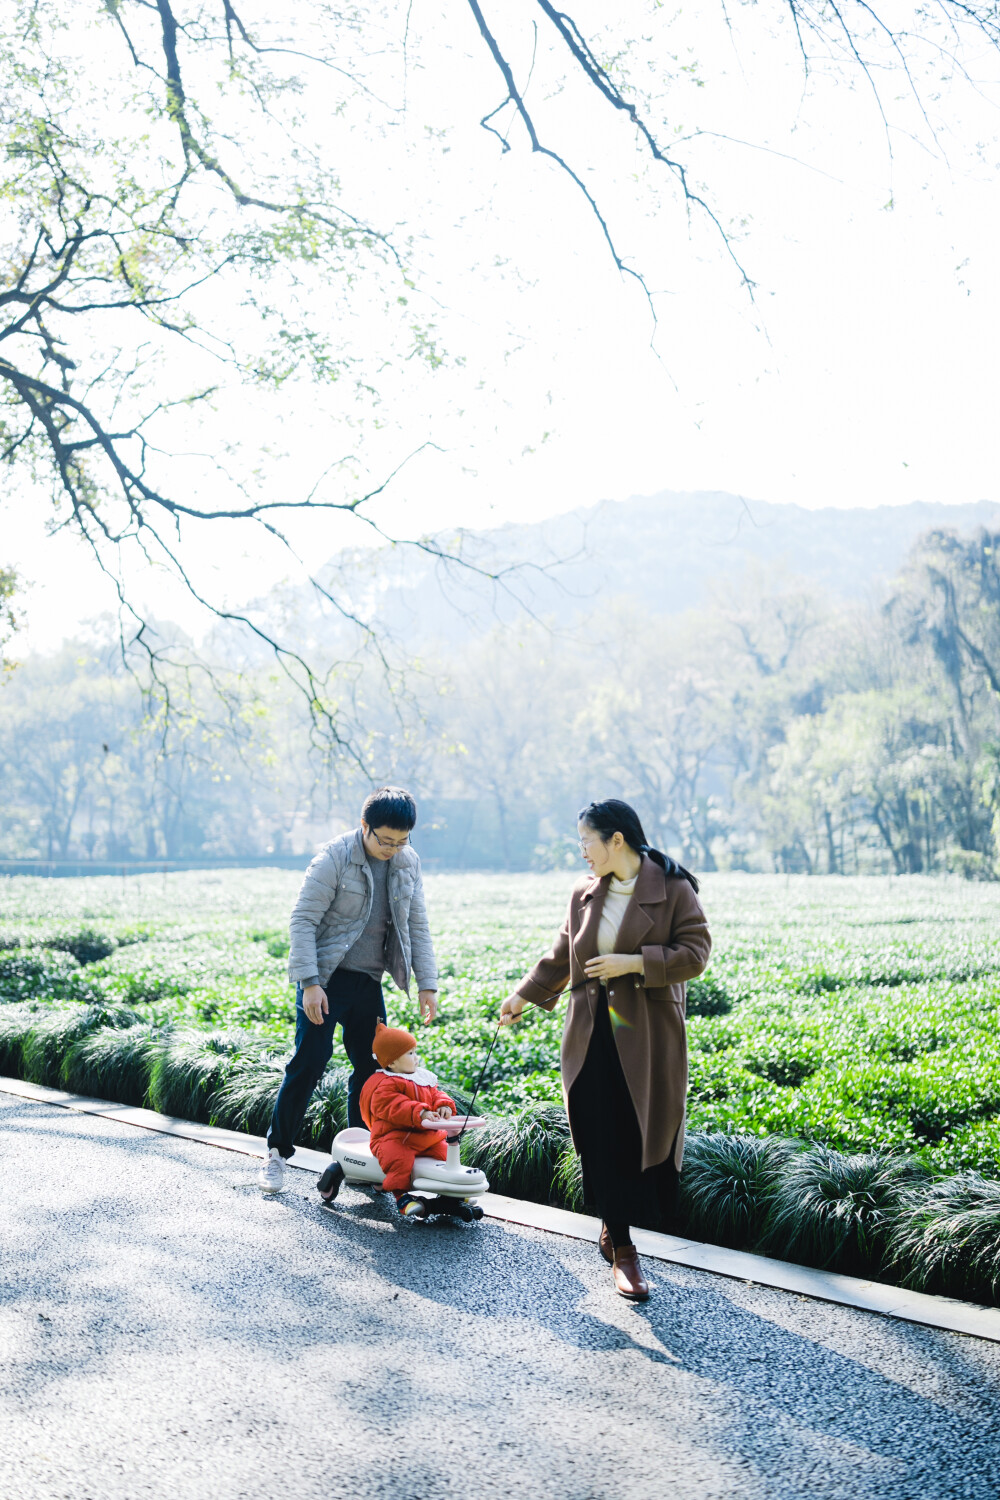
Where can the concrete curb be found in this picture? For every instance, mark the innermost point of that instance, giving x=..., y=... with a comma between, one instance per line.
x=826, y=1286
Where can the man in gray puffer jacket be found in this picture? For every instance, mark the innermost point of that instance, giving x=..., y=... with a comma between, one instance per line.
x=359, y=913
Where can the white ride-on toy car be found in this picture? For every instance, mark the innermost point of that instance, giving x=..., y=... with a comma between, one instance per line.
x=454, y=1187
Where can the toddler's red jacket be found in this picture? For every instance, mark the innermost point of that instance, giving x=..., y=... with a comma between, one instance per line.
x=391, y=1106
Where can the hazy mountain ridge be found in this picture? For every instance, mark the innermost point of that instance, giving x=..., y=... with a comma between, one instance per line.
x=668, y=550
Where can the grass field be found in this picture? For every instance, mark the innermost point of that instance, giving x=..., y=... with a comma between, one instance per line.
x=861, y=1013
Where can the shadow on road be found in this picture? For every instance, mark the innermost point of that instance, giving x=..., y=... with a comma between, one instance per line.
x=124, y=1249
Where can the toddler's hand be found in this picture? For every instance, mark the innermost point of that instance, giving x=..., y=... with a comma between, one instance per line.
x=445, y=1111
x=429, y=1117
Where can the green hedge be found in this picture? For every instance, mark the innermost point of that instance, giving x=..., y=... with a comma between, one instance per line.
x=875, y=1214
x=225, y=1078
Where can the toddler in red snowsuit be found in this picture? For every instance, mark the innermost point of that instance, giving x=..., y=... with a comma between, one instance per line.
x=400, y=1104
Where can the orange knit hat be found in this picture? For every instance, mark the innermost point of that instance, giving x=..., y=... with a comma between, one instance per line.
x=391, y=1042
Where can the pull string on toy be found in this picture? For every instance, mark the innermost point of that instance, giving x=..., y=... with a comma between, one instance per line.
x=475, y=1091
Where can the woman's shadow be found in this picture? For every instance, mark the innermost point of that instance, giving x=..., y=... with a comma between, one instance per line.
x=488, y=1268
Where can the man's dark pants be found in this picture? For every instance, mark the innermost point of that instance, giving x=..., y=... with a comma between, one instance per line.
x=356, y=1003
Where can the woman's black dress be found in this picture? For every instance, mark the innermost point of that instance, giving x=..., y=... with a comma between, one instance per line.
x=607, y=1136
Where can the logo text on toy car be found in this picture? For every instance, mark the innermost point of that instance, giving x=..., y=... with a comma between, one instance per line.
x=352, y=1161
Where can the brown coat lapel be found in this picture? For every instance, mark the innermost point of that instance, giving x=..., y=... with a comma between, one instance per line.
x=637, y=923
x=585, y=936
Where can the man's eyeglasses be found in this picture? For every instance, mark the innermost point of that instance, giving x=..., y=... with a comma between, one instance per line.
x=391, y=844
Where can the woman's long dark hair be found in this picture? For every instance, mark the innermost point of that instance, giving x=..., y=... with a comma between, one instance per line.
x=611, y=817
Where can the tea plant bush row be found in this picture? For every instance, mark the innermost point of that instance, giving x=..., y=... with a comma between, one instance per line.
x=862, y=1014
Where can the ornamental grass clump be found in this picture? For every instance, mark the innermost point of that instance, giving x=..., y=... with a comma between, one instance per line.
x=727, y=1185
x=16, y=1022
x=520, y=1153
x=946, y=1238
x=112, y=1064
x=327, y=1112
x=567, y=1183
x=245, y=1098
x=54, y=1032
x=836, y=1211
x=190, y=1070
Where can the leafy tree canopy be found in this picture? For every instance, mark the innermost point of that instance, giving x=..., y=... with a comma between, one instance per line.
x=177, y=251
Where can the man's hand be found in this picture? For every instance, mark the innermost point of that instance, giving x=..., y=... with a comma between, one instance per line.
x=314, y=1003
x=511, y=1010
x=609, y=965
x=428, y=1001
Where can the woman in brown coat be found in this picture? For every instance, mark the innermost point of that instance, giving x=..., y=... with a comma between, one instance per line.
x=634, y=934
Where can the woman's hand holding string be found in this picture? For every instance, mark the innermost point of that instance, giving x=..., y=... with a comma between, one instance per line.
x=610, y=965
x=511, y=1010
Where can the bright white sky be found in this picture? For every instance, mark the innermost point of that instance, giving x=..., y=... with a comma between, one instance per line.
x=864, y=375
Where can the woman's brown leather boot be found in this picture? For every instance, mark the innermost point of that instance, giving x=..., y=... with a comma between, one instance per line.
x=627, y=1271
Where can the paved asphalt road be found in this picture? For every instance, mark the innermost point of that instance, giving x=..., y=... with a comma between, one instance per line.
x=166, y=1332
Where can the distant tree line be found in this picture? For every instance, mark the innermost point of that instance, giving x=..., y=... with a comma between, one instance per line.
x=772, y=729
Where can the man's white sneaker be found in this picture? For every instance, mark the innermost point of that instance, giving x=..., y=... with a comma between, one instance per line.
x=272, y=1173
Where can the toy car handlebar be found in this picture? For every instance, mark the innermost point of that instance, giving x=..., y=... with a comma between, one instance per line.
x=457, y=1124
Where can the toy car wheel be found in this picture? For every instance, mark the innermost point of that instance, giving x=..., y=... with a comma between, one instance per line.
x=330, y=1183
x=475, y=1212
x=444, y=1207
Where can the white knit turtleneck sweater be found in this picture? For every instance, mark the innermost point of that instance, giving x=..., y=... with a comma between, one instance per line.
x=618, y=897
